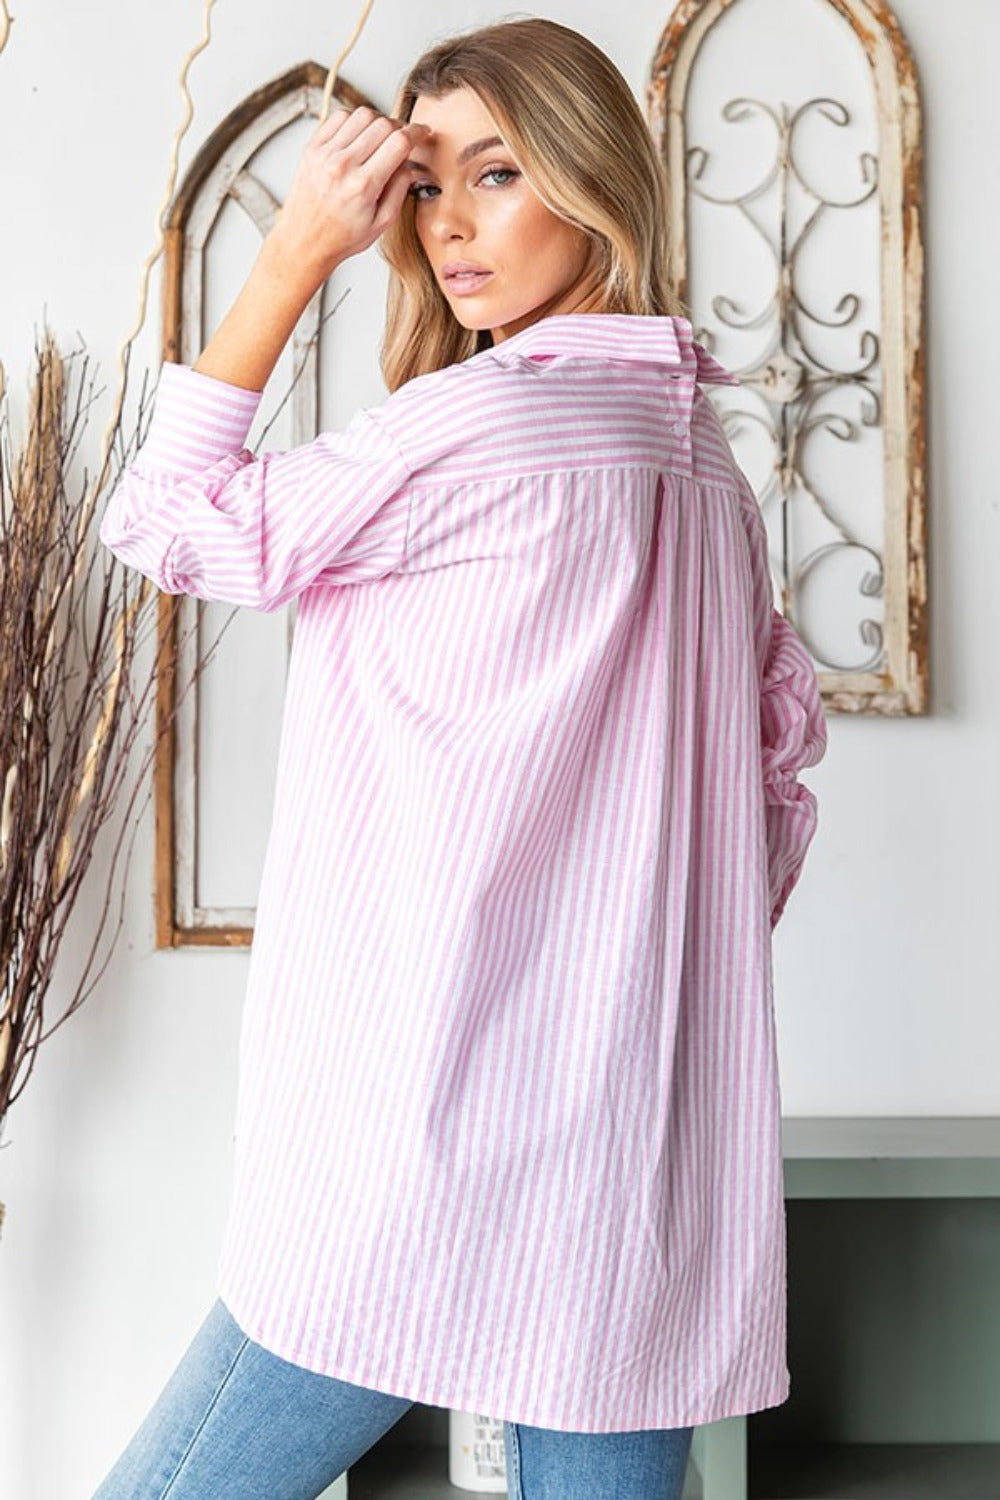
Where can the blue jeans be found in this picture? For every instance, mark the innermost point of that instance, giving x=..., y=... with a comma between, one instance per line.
x=235, y=1422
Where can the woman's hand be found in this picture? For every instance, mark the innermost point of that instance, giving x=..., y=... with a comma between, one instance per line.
x=349, y=186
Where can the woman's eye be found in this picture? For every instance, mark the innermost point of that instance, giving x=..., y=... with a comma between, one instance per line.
x=499, y=172
x=419, y=190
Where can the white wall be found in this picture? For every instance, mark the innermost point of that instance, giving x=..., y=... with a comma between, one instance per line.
x=117, y=1159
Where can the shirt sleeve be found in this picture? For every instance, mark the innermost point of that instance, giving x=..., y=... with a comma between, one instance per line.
x=198, y=514
x=793, y=731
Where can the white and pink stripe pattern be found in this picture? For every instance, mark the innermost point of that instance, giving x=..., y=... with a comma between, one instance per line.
x=508, y=1131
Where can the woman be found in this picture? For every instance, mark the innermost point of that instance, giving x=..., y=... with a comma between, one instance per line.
x=507, y=1137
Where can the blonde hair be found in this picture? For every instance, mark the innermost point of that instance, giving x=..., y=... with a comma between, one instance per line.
x=575, y=130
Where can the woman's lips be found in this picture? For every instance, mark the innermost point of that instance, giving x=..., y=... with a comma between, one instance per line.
x=464, y=282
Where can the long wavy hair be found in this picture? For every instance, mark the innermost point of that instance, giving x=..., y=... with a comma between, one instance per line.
x=573, y=126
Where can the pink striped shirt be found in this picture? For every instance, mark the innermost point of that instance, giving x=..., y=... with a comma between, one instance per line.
x=508, y=1128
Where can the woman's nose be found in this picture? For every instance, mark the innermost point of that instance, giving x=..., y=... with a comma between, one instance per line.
x=449, y=219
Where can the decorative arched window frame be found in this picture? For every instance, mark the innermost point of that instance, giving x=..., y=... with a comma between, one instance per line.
x=900, y=685
x=219, y=173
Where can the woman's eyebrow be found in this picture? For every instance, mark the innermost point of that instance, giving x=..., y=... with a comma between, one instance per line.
x=467, y=152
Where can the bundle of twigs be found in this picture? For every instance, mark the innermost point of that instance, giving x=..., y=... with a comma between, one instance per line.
x=71, y=621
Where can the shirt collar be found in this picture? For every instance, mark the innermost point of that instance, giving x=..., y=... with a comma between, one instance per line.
x=634, y=337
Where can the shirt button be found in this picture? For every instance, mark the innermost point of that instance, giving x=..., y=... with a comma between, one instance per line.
x=679, y=428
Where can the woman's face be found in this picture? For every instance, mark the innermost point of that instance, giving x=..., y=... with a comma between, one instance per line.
x=474, y=208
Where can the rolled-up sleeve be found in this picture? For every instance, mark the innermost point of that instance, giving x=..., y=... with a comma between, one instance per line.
x=793, y=731
x=198, y=514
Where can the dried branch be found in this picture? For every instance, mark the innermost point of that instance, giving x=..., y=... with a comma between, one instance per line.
x=187, y=115
x=331, y=77
x=73, y=707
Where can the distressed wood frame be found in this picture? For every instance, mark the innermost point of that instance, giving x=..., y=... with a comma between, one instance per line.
x=903, y=688
x=214, y=176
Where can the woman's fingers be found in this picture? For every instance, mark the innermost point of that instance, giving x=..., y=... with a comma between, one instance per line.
x=333, y=122
x=343, y=126
x=391, y=201
x=338, y=203
x=378, y=154
x=358, y=134
x=388, y=154
x=361, y=148
x=350, y=126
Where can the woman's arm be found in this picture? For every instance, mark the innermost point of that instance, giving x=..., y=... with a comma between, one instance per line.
x=196, y=512
x=350, y=185
x=199, y=515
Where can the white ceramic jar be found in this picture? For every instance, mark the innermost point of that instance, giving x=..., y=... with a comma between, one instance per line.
x=476, y=1457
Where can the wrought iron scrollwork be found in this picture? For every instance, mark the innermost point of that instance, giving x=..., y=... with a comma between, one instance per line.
x=791, y=378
